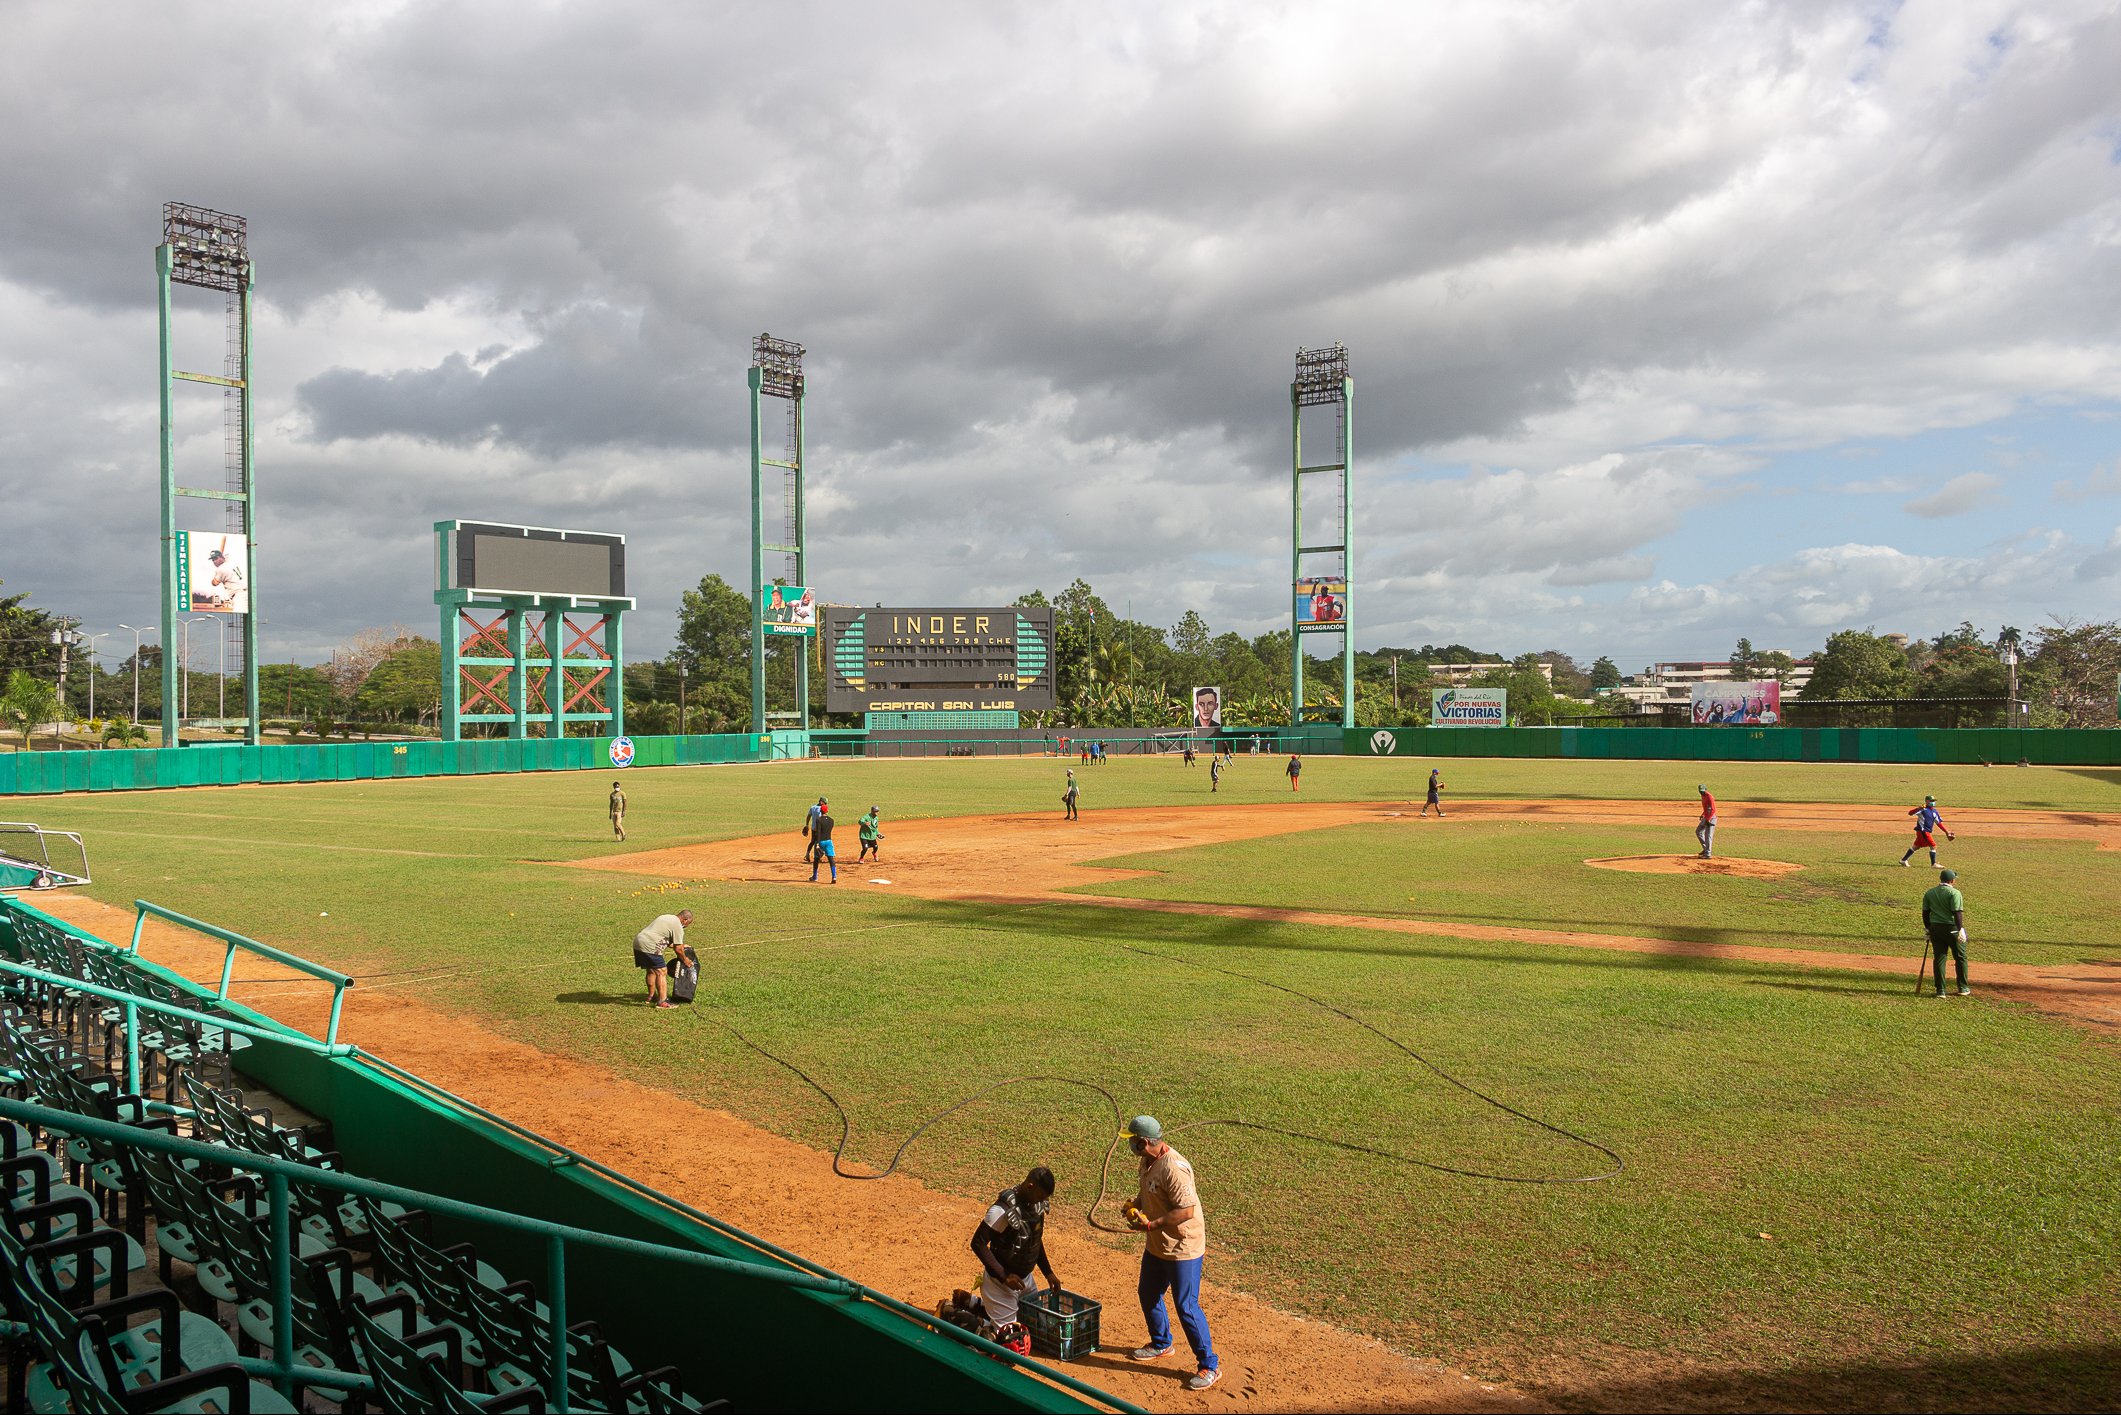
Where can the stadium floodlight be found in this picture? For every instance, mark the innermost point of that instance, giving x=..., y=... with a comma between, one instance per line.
x=1320, y=374
x=780, y=366
x=208, y=248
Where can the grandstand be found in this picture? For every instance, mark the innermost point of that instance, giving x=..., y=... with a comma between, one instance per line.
x=210, y=1210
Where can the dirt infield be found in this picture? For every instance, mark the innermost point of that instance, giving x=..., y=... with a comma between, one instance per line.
x=972, y=857
x=895, y=1234
x=1695, y=865
x=1038, y=859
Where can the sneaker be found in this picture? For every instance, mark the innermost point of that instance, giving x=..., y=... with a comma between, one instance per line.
x=1205, y=1377
x=1148, y=1353
x=1966, y=992
x=663, y=1004
x=1903, y=862
x=1940, y=995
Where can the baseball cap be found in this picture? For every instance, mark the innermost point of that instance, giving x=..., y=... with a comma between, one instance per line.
x=1948, y=876
x=1144, y=1127
x=1932, y=800
x=1699, y=787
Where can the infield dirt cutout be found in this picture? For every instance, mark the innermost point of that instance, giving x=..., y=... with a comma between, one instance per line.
x=1695, y=865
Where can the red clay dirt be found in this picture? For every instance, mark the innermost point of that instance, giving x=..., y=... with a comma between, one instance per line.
x=895, y=1234
x=1039, y=859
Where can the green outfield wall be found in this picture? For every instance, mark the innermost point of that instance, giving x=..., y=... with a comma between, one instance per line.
x=154, y=769
x=1970, y=746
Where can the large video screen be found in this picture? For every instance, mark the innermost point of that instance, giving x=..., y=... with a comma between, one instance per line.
x=533, y=560
x=939, y=660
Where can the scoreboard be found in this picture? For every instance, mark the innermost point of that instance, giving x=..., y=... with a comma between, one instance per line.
x=939, y=660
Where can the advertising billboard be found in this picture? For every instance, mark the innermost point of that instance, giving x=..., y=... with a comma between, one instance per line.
x=1321, y=604
x=1469, y=707
x=939, y=660
x=1207, y=709
x=214, y=568
x=1737, y=704
x=790, y=609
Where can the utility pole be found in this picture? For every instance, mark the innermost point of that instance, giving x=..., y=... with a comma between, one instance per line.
x=136, y=668
x=681, y=697
x=1395, y=682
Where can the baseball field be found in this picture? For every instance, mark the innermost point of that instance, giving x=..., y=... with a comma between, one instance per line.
x=1836, y=1192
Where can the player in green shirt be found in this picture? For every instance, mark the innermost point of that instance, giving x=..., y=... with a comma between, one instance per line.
x=872, y=835
x=1944, y=920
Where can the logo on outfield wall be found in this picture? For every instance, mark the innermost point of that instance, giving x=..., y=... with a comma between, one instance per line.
x=1383, y=744
x=1469, y=707
x=622, y=751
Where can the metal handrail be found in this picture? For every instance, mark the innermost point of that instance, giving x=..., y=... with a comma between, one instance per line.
x=278, y=1173
x=340, y=982
x=563, y=1157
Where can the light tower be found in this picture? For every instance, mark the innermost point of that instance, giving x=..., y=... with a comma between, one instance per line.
x=210, y=250
x=777, y=372
x=1320, y=557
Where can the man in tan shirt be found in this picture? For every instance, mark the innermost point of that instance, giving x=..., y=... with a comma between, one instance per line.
x=1167, y=1209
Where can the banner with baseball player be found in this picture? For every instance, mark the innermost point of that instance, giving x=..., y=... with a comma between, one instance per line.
x=1321, y=604
x=1469, y=707
x=214, y=568
x=789, y=609
x=1737, y=704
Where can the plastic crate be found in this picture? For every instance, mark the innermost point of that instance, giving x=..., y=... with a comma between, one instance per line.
x=1063, y=1324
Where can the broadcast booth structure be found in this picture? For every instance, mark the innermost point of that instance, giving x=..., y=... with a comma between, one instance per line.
x=531, y=629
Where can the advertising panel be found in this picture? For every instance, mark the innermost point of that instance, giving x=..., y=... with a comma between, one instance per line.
x=1321, y=604
x=1207, y=709
x=939, y=660
x=790, y=609
x=487, y=557
x=1469, y=707
x=214, y=568
x=1737, y=704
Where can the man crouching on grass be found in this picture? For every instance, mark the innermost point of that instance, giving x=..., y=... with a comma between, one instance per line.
x=655, y=948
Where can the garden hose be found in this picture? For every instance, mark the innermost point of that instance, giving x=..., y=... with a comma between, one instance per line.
x=839, y=1152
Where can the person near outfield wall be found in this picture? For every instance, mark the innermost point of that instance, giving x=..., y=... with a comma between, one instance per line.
x=1167, y=1209
x=656, y=946
x=1215, y=771
x=1072, y=795
x=1705, y=830
x=1295, y=771
x=1010, y=1244
x=1435, y=797
x=618, y=811
x=1944, y=921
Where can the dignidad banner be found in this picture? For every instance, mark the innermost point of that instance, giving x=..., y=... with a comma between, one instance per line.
x=1737, y=704
x=1469, y=707
x=214, y=568
x=790, y=609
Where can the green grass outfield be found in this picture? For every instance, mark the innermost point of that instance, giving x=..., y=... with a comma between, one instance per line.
x=1937, y=1178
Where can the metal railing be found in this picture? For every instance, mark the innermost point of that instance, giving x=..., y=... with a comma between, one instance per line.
x=340, y=982
x=815, y=1275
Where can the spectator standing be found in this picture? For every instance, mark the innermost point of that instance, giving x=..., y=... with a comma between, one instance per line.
x=618, y=811
x=1167, y=1208
x=1944, y=920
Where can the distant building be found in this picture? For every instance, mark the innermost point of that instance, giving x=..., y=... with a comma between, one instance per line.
x=1457, y=675
x=1672, y=684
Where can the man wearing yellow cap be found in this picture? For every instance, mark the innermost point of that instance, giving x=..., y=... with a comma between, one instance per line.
x=1168, y=1210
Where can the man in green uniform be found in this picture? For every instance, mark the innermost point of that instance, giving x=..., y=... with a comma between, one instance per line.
x=872, y=834
x=618, y=811
x=1944, y=920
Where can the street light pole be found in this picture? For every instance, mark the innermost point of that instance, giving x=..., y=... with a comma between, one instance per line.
x=90, y=640
x=136, y=668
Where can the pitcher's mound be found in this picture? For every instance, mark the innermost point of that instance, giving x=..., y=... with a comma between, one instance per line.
x=1695, y=865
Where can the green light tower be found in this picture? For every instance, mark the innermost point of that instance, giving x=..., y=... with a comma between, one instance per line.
x=1321, y=563
x=777, y=372
x=213, y=572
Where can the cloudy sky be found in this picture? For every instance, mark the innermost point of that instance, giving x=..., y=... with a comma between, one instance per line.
x=1670, y=322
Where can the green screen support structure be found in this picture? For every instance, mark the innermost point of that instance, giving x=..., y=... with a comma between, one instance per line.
x=1321, y=549
x=209, y=250
x=777, y=372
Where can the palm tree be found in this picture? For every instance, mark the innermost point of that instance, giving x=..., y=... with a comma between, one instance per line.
x=122, y=733
x=29, y=701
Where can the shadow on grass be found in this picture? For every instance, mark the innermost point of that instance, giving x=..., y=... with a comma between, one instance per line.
x=606, y=999
x=2086, y=1377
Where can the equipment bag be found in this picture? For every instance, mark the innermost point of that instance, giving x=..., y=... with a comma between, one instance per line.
x=684, y=981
